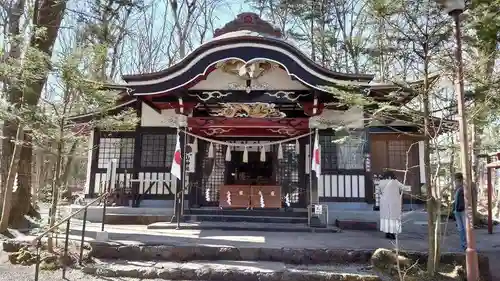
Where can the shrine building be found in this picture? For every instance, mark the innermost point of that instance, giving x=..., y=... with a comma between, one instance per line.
x=246, y=106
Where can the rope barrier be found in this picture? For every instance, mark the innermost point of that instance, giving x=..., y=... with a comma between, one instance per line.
x=270, y=143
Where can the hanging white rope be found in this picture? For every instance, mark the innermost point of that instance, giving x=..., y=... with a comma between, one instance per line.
x=194, y=146
x=263, y=154
x=270, y=143
x=245, y=155
x=228, y=155
x=211, y=150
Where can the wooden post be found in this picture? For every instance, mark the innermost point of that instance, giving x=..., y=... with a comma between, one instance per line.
x=471, y=252
x=135, y=186
x=490, y=219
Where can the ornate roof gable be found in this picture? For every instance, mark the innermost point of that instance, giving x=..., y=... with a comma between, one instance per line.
x=249, y=21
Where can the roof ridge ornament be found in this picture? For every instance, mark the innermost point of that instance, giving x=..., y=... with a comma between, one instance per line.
x=251, y=22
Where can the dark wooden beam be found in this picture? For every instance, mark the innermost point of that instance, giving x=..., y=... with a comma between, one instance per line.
x=149, y=103
x=223, y=122
x=216, y=96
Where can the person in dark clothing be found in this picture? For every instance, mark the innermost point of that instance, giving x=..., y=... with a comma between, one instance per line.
x=459, y=208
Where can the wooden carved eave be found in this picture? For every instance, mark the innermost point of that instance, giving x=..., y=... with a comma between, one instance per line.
x=251, y=22
x=245, y=110
x=238, y=96
x=246, y=70
x=230, y=127
x=222, y=122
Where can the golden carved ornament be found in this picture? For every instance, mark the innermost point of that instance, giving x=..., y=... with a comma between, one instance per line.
x=244, y=70
x=252, y=110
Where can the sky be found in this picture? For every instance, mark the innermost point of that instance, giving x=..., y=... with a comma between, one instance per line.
x=224, y=14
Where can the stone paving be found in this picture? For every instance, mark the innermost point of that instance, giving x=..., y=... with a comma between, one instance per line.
x=413, y=239
x=139, y=234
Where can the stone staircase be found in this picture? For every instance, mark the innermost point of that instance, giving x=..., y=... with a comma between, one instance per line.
x=228, y=263
x=241, y=215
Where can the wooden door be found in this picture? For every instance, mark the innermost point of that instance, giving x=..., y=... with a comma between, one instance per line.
x=397, y=152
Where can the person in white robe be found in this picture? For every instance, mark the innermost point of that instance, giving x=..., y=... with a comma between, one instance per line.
x=390, y=190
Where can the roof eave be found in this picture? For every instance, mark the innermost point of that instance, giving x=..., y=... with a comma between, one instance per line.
x=229, y=40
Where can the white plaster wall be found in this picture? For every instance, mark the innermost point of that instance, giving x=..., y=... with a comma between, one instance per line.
x=341, y=186
x=151, y=118
x=277, y=79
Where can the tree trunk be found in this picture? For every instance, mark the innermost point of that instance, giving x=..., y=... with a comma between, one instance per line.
x=475, y=145
x=9, y=183
x=13, y=93
x=433, y=239
x=55, y=192
x=39, y=171
x=47, y=15
x=23, y=192
x=68, y=168
x=7, y=152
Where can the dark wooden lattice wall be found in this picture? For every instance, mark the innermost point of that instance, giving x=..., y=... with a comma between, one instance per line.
x=398, y=152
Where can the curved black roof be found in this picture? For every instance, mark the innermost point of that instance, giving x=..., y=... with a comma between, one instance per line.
x=248, y=39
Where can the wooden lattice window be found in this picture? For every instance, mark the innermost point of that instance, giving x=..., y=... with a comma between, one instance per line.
x=342, y=154
x=403, y=156
x=288, y=172
x=213, y=171
x=157, y=150
x=121, y=149
x=350, y=152
x=328, y=152
x=396, y=152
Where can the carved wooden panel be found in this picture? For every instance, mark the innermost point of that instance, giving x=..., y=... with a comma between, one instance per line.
x=248, y=21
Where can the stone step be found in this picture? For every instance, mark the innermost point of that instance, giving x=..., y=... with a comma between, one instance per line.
x=229, y=271
x=183, y=253
x=252, y=213
x=245, y=218
x=139, y=219
x=245, y=226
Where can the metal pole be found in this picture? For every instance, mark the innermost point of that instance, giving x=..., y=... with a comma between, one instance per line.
x=490, y=187
x=181, y=180
x=311, y=153
x=183, y=183
x=80, y=260
x=471, y=254
x=38, y=254
x=66, y=242
x=104, y=201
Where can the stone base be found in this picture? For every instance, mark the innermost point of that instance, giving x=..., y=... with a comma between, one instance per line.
x=118, y=219
x=297, y=256
x=101, y=236
x=356, y=225
x=230, y=271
